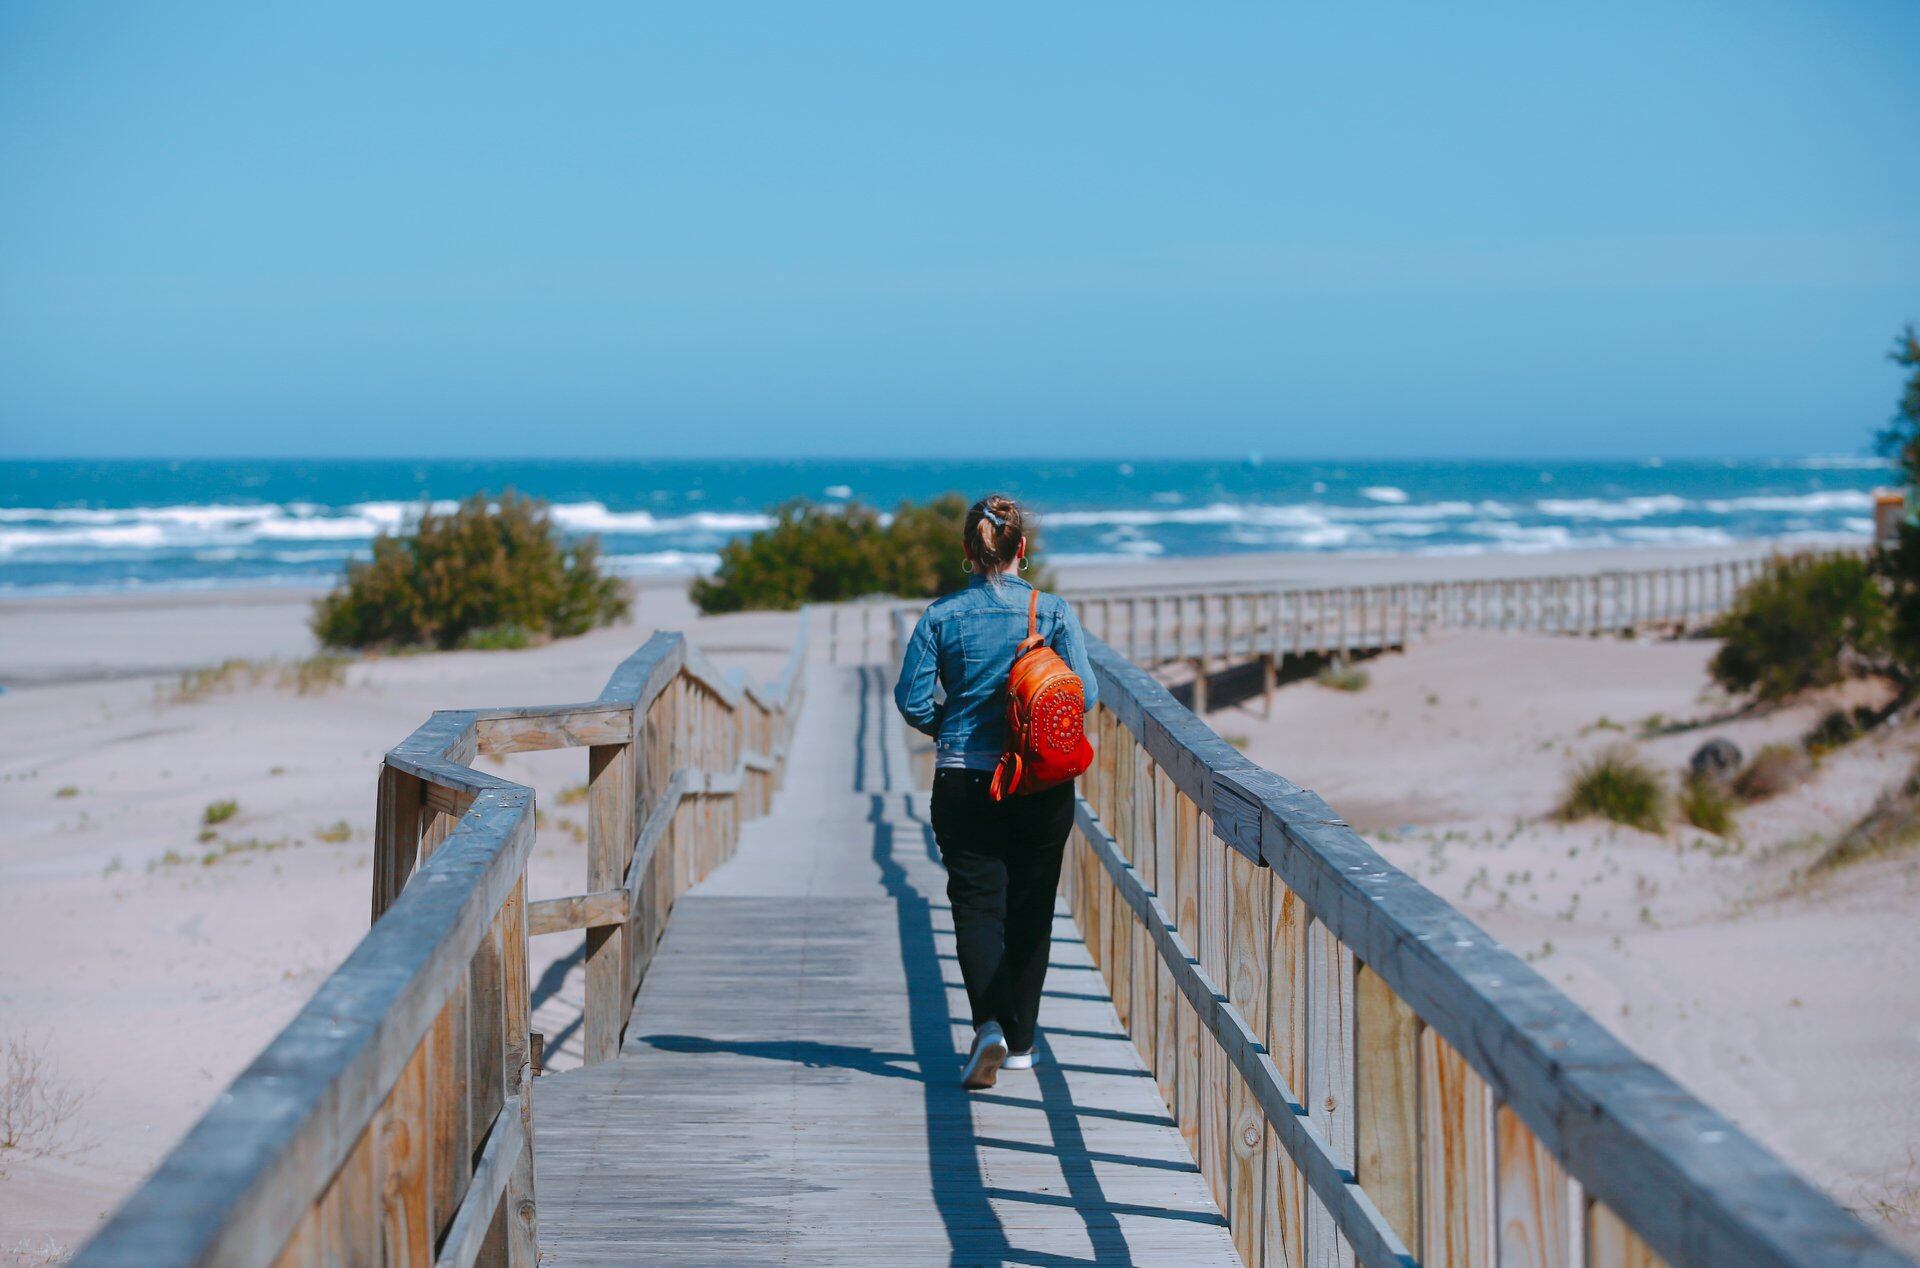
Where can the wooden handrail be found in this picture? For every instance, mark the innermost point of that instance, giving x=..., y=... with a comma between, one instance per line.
x=1367, y=1044
x=392, y=1119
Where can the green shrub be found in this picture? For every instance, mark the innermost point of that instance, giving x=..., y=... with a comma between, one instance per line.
x=1615, y=784
x=219, y=811
x=1835, y=729
x=482, y=567
x=1775, y=769
x=498, y=638
x=1805, y=622
x=1343, y=678
x=1705, y=803
x=826, y=554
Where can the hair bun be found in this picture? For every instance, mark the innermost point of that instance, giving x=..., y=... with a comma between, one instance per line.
x=994, y=530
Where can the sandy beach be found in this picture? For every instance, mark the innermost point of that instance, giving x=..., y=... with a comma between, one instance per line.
x=149, y=955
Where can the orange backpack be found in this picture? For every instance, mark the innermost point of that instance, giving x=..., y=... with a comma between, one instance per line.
x=1046, y=719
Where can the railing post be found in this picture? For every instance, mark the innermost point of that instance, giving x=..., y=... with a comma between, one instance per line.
x=610, y=833
x=396, y=835
x=517, y=1202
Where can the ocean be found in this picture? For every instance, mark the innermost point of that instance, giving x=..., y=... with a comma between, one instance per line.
x=82, y=526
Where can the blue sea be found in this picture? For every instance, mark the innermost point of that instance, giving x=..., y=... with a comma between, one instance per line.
x=79, y=526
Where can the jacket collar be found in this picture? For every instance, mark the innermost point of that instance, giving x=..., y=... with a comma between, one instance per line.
x=1006, y=578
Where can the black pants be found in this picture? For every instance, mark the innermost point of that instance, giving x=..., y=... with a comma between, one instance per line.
x=1003, y=868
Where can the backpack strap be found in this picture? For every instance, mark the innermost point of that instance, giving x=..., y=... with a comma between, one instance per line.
x=1033, y=639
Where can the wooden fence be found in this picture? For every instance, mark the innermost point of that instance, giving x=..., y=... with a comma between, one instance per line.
x=1156, y=625
x=391, y=1121
x=1363, y=1074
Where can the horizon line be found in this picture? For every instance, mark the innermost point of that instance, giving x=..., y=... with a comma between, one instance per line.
x=1255, y=459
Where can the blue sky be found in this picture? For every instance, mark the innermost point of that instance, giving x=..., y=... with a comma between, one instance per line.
x=827, y=228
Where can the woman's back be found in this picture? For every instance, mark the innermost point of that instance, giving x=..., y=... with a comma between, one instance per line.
x=965, y=643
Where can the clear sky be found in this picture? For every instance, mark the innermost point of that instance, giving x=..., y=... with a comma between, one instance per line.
x=890, y=229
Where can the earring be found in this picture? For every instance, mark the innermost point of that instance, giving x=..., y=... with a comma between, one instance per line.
x=966, y=563
x=1023, y=563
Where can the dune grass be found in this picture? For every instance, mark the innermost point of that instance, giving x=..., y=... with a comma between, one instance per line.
x=1344, y=678
x=1707, y=804
x=1618, y=785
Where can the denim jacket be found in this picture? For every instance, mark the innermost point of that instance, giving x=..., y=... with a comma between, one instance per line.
x=964, y=643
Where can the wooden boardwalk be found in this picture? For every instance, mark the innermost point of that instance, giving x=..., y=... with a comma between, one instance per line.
x=787, y=1090
x=1345, y=1070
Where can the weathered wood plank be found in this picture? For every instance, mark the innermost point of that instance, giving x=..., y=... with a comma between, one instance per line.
x=1330, y=969
x=396, y=835
x=1284, y=1239
x=400, y=1168
x=1611, y=1244
x=578, y=911
x=502, y=731
x=505, y=1142
x=1533, y=1199
x=517, y=1201
x=1456, y=1172
x=449, y=1140
x=1386, y=1103
x=349, y=1223
x=1248, y=940
x=1187, y=917
x=610, y=835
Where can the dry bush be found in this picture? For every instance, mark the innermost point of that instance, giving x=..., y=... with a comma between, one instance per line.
x=37, y=1109
x=1775, y=769
x=313, y=676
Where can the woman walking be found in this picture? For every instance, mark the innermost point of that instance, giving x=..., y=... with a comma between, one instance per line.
x=1002, y=857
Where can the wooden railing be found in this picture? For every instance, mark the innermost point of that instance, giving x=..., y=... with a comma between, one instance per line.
x=1362, y=1073
x=391, y=1121
x=1155, y=625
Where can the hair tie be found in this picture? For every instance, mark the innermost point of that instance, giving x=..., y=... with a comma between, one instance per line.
x=997, y=521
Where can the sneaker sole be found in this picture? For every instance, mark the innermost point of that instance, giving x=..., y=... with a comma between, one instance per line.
x=984, y=1068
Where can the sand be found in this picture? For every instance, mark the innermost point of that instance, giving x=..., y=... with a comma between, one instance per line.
x=150, y=977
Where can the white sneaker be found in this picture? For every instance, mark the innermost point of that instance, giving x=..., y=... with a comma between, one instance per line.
x=1018, y=1061
x=989, y=1050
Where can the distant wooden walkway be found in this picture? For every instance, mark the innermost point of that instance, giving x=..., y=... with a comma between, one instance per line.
x=787, y=1091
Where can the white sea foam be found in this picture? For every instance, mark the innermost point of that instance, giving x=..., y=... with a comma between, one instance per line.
x=322, y=528
x=1384, y=493
x=1633, y=508
x=594, y=517
x=118, y=537
x=1829, y=500
x=1842, y=462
